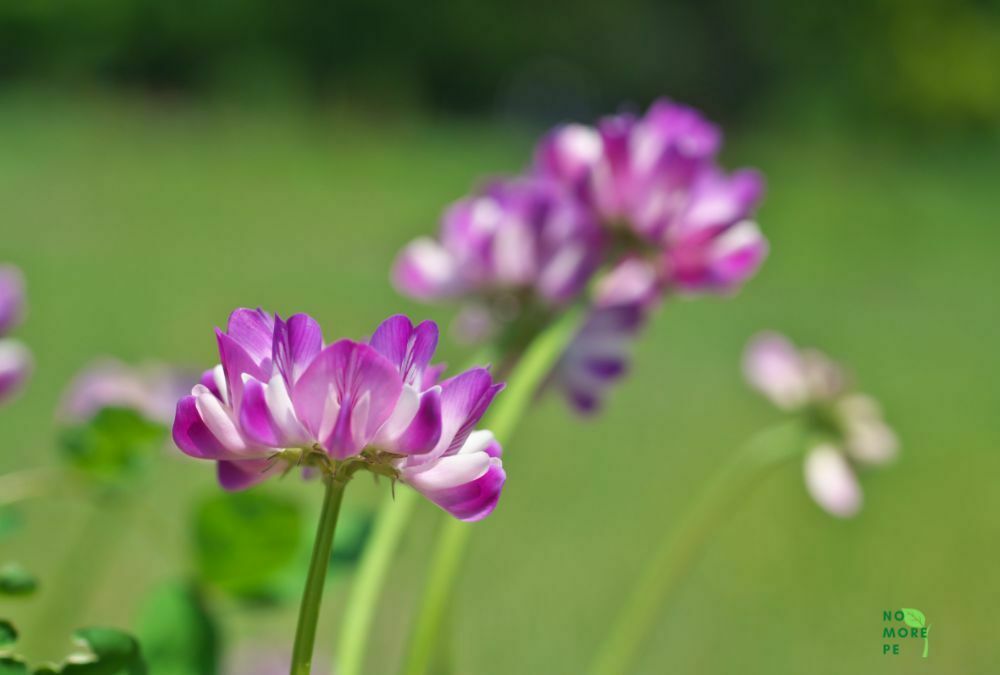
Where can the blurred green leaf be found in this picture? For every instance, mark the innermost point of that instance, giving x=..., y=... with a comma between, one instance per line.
x=353, y=529
x=243, y=541
x=12, y=665
x=113, y=445
x=177, y=633
x=8, y=634
x=114, y=652
x=914, y=618
x=15, y=580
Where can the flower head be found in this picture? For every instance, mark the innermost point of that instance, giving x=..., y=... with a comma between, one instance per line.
x=514, y=242
x=151, y=389
x=849, y=429
x=15, y=359
x=654, y=182
x=281, y=396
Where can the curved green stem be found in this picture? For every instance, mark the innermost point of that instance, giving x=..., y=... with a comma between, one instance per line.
x=312, y=597
x=359, y=612
x=678, y=550
x=449, y=549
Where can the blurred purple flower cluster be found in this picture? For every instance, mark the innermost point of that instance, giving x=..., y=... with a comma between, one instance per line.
x=283, y=397
x=630, y=210
x=15, y=359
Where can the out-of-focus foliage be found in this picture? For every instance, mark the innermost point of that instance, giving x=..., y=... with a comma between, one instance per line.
x=15, y=580
x=8, y=634
x=113, y=446
x=244, y=540
x=177, y=633
x=931, y=60
x=104, y=651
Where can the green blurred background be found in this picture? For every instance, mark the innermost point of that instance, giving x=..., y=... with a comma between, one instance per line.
x=162, y=163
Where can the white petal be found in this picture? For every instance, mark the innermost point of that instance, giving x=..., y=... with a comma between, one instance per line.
x=448, y=471
x=404, y=412
x=218, y=419
x=773, y=366
x=477, y=442
x=831, y=481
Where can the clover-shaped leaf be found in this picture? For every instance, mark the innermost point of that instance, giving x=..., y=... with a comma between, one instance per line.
x=914, y=618
x=8, y=634
x=112, y=652
x=15, y=580
x=244, y=540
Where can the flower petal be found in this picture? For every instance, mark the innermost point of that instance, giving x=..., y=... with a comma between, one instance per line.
x=467, y=485
x=253, y=330
x=15, y=367
x=11, y=297
x=464, y=400
x=426, y=270
x=192, y=435
x=831, y=481
x=296, y=343
x=415, y=426
x=409, y=348
x=354, y=383
x=240, y=475
x=773, y=366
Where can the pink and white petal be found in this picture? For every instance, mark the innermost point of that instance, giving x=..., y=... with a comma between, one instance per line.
x=423, y=430
x=256, y=420
x=467, y=486
x=831, y=481
x=16, y=364
x=237, y=362
x=363, y=387
x=253, y=330
x=239, y=475
x=296, y=343
x=869, y=439
x=219, y=420
x=736, y=255
x=426, y=270
x=482, y=440
x=464, y=400
x=773, y=366
x=193, y=436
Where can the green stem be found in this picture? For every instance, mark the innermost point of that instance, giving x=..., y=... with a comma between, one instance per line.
x=29, y=483
x=373, y=568
x=681, y=546
x=927, y=642
x=305, y=634
x=449, y=549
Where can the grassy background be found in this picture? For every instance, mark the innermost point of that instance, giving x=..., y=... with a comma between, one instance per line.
x=140, y=225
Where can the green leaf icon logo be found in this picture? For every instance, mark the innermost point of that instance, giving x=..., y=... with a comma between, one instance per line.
x=914, y=618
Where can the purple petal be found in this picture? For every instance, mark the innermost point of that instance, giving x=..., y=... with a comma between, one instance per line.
x=466, y=485
x=11, y=297
x=253, y=330
x=415, y=426
x=773, y=366
x=234, y=476
x=15, y=367
x=296, y=343
x=192, y=435
x=409, y=349
x=425, y=270
x=345, y=395
x=236, y=362
x=464, y=400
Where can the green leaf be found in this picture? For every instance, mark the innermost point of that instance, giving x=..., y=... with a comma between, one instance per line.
x=244, y=540
x=353, y=528
x=112, y=652
x=8, y=634
x=15, y=580
x=112, y=446
x=178, y=635
x=12, y=665
x=914, y=618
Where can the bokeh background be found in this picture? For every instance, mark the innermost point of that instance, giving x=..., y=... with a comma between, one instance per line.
x=164, y=162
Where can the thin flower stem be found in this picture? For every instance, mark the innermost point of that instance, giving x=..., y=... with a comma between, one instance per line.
x=305, y=634
x=927, y=641
x=452, y=539
x=680, y=547
x=29, y=483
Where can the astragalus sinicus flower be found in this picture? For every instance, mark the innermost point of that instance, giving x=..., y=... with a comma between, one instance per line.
x=281, y=397
x=847, y=428
x=15, y=359
x=151, y=389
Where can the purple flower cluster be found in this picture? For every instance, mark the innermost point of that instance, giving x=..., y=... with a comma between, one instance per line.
x=281, y=396
x=15, y=359
x=642, y=198
x=849, y=431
